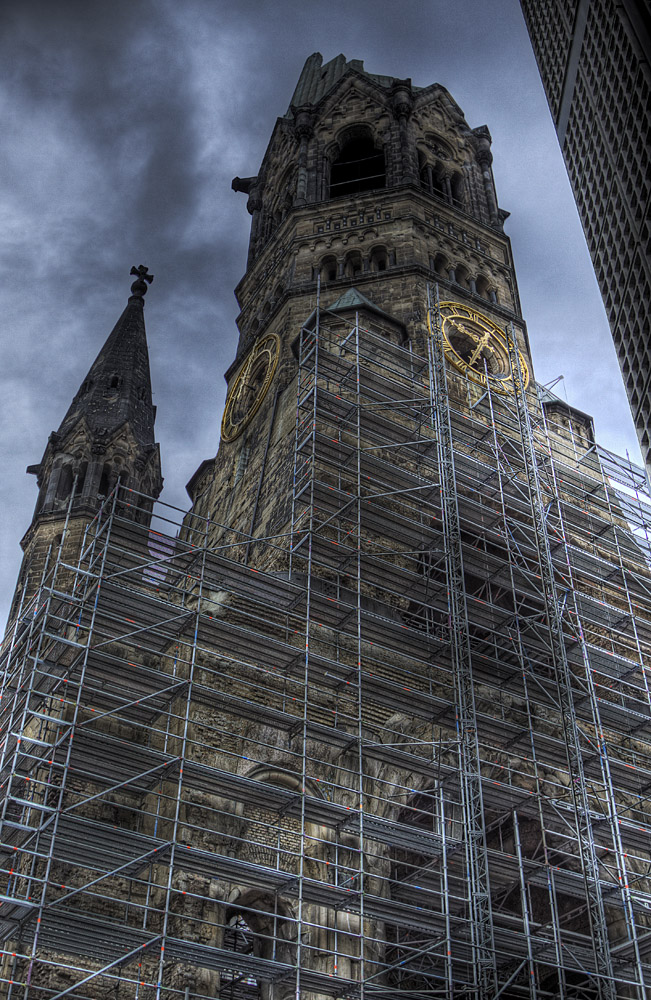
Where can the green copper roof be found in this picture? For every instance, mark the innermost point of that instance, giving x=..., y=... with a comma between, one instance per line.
x=354, y=299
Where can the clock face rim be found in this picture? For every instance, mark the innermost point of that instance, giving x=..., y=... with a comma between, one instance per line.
x=268, y=344
x=500, y=385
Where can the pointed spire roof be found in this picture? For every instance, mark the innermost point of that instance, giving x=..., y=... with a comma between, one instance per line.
x=117, y=388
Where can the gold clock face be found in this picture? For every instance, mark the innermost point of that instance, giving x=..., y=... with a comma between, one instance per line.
x=475, y=346
x=250, y=386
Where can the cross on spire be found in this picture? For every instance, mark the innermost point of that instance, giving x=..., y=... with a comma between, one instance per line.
x=143, y=278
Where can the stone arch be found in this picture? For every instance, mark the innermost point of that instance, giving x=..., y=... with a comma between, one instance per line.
x=482, y=284
x=429, y=172
x=423, y=163
x=441, y=265
x=66, y=479
x=80, y=472
x=353, y=264
x=421, y=810
x=357, y=162
x=328, y=268
x=458, y=189
x=273, y=774
x=264, y=926
x=105, y=480
x=439, y=147
x=379, y=258
x=462, y=275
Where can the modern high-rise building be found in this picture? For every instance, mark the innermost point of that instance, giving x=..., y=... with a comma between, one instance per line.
x=593, y=57
x=372, y=719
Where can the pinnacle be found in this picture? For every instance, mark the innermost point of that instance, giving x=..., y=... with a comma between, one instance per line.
x=117, y=388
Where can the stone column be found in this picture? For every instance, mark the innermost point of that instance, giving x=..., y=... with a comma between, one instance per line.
x=93, y=476
x=254, y=208
x=484, y=157
x=304, y=131
x=402, y=105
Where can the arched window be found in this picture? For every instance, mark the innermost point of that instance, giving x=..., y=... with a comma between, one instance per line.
x=256, y=926
x=239, y=938
x=441, y=265
x=329, y=269
x=430, y=174
x=359, y=167
x=353, y=266
x=410, y=970
x=463, y=275
x=104, y=481
x=379, y=259
x=64, y=485
x=438, y=183
x=424, y=171
x=482, y=285
x=81, y=478
x=458, y=189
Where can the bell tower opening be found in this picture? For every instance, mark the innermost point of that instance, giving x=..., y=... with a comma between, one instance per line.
x=358, y=167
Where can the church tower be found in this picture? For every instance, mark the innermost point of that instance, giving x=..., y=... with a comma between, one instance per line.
x=371, y=719
x=371, y=188
x=107, y=435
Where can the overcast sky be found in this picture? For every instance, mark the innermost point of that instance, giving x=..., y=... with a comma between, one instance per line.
x=123, y=124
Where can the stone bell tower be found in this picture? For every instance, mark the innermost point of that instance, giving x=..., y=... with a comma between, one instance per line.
x=370, y=188
x=107, y=435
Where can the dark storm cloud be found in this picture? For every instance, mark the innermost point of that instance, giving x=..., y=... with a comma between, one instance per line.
x=123, y=124
x=121, y=96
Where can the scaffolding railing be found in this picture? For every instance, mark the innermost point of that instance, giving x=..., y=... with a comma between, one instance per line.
x=399, y=747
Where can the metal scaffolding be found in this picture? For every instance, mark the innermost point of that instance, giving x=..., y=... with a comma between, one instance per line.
x=400, y=747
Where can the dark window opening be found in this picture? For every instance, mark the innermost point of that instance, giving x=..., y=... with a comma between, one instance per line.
x=239, y=939
x=458, y=191
x=360, y=167
x=328, y=269
x=64, y=486
x=379, y=259
x=81, y=478
x=353, y=266
x=104, y=481
x=430, y=177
